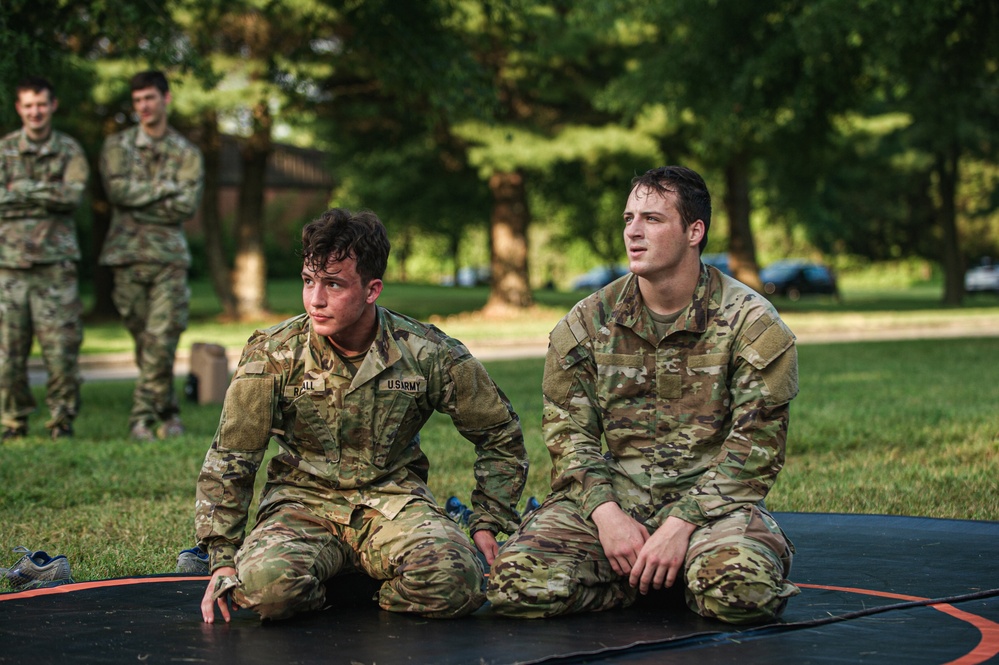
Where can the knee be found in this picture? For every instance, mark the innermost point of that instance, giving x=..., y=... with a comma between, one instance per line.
x=442, y=582
x=526, y=586
x=738, y=585
x=277, y=592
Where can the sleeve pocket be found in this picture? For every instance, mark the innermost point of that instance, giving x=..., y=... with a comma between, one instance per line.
x=247, y=413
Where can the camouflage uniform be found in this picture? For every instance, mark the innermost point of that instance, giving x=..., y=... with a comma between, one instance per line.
x=695, y=425
x=154, y=186
x=348, y=489
x=41, y=185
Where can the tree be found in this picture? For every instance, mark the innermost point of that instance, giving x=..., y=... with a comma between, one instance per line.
x=949, y=90
x=741, y=83
x=547, y=60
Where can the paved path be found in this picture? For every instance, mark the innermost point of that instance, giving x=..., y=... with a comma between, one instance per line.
x=101, y=367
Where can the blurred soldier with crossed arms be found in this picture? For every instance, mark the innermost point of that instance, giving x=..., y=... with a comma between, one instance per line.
x=153, y=177
x=42, y=176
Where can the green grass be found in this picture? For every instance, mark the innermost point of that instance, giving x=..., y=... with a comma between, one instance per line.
x=905, y=427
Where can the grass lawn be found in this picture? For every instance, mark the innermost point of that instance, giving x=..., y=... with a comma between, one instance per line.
x=906, y=427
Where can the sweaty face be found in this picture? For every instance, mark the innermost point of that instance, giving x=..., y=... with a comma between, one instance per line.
x=36, y=109
x=341, y=304
x=654, y=236
x=151, y=106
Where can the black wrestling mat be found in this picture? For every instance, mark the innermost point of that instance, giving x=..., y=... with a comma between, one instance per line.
x=875, y=589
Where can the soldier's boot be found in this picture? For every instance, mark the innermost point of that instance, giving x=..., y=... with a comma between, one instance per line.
x=14, y=433
x=142, y=432
x=171, y=427
x=62, y=431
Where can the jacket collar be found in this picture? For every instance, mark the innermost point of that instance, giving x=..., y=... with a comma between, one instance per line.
x=629, y=308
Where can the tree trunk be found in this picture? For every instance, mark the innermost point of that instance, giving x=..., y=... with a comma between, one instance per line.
x=742, y=249
x=510, y=287
x=947, y=173
x=211, y=223
x=249, y=277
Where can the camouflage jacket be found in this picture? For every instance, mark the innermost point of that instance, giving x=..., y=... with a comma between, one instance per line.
x=347, y=442
x=154, y=186
x=695, y=423
x=41, y=186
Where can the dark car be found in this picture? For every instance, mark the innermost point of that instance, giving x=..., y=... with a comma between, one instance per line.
x=599, y=277
x=795, y=278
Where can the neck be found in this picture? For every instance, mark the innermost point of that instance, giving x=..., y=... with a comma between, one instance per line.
x=38, y=136
x=156, y=131
x=359, y=337
x=667, y=294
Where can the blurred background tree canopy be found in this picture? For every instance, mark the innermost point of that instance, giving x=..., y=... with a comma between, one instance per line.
x=503, y=134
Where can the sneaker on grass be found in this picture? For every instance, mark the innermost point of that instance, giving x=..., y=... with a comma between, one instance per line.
x=37, y=570
x=193, y=562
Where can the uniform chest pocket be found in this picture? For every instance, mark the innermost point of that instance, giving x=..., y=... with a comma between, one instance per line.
x=707, y=376
x=312, y=425
x=623, y=375
x=392, y=426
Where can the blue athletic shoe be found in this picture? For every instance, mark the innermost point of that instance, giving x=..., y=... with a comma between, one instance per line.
x=37, y=570
x=458, y=511
x=193, y=562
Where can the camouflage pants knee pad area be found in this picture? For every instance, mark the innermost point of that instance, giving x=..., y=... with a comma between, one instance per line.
x=555, y=565
x=737, y=586
x=525, y=585
x=278, y=592
x=440, y=579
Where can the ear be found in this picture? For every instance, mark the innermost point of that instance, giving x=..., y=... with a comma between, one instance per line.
x=374, y=290
x=55, y=104
x=695, y=233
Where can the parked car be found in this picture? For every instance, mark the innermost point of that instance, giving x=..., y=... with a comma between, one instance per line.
x=598, y=278
x=719, y=261
x=794, y=278
x=984, y=277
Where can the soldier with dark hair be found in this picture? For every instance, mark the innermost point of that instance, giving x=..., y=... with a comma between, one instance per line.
x=153, y=177
x=686, y=376
x=43, y=173
x=345, y=389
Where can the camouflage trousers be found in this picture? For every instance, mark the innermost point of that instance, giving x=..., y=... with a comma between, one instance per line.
x=41, y=301
x=735, y=570
x=428, y=564
x=153, y=302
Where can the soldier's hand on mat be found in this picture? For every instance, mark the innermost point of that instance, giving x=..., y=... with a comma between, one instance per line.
x=219, y=592
x=486, y=542
x=621, y=536
x=661, y=559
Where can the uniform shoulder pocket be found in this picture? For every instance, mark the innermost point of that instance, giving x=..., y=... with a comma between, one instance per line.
x=247, y=413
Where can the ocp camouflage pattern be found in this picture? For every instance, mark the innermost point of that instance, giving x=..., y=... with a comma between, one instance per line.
x=695, y=423
x=154, y=186
x=41, y=186
x=350, y=441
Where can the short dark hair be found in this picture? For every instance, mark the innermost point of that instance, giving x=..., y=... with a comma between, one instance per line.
x=339, y=234
x=152, y=78
x=35, y=84
x=693, y=201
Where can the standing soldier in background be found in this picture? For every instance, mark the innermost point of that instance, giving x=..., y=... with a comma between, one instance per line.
x=153, y=177
x=42, y=176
